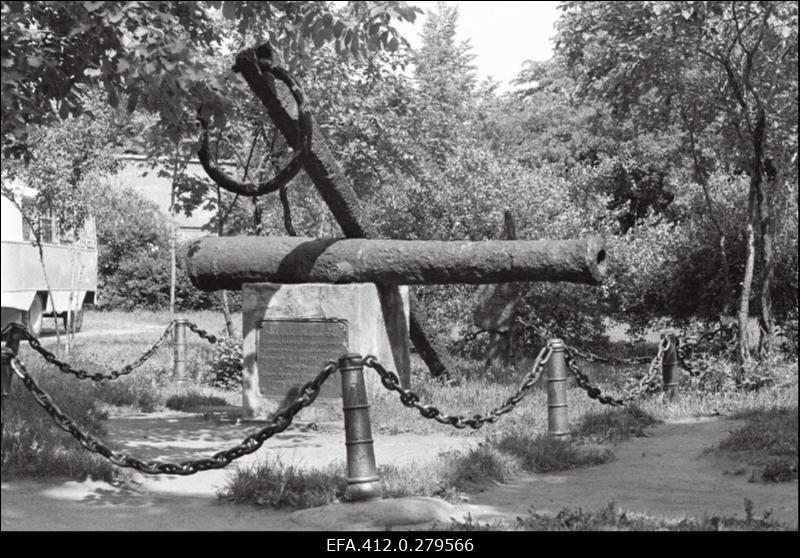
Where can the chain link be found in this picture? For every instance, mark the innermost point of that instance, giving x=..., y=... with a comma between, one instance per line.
x=592, y=357
x=685, y=348
x=411, y=399
x=688, y=345
x=203, y=334
x=595, y=393
x=542, y=333
x=83, y=374
x=251, y=443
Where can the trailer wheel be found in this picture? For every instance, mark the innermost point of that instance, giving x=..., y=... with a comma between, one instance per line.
x=33, y=318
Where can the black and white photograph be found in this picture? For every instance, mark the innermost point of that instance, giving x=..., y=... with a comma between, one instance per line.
x=386, y=276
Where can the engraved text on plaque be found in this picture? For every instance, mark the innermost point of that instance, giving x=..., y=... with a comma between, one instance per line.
x=292, y=352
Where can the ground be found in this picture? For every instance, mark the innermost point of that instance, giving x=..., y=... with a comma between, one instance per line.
x=666, y=474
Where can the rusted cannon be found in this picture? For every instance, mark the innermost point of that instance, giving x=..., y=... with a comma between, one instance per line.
x=228, y=262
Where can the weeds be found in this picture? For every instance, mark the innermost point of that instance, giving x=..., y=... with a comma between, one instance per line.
x=544, y=454
x=616, y=425
x=612, y=518
x=767, y=440
x=276, y=485
x=479, y=467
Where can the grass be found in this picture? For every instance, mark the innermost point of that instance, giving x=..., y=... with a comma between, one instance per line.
x=544, y=454
x=616, y=425
x=499, y=459
x=768, y=441
x=277, y=485
x=612, y=518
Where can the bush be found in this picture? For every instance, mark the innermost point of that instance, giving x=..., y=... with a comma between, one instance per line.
x=227, y=362
x=193, y=400
x=142, y=282
x=132, y=391
x=127, y=225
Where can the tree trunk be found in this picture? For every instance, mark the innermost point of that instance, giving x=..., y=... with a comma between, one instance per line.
x=226, y=311
x=768, y=254
x=257, y=228
x=500, y=303
x=172, y=229
x=754, y=204
x=701, y=177
x=173, y=270
x=287, y=212
x=744, y=301
x=727, y=294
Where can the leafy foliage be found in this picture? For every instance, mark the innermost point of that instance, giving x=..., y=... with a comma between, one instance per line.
x=156, y=54
x=225, y=370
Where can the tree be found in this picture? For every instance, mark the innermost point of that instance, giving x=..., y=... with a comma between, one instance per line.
x=155, y=53
x=719, y=71
x=65, y=166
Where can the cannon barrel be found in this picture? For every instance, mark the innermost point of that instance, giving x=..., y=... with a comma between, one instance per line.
x=228, y=262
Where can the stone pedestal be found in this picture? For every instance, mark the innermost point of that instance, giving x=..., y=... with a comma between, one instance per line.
x=295, y=329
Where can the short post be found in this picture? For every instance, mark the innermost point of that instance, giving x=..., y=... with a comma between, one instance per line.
x=5, y=374
x=10, y=350
x=179, y=340
x=557, y=412
x=670, y=372
x=362, y=474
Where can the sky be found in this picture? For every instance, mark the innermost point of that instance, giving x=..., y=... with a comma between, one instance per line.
x=503, y=34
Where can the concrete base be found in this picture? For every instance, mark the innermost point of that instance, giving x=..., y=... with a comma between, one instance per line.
x=377, y=324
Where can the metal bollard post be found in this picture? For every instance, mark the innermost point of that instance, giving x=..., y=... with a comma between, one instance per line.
x=362, y=474
x=10, y=350
x=179, y=363
x=5, y=374
x=670, y=371
x=557, y=412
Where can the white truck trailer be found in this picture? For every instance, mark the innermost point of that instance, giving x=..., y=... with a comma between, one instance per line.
x=70, y=261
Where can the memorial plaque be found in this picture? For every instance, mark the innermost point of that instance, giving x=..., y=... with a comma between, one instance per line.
x=291, y=352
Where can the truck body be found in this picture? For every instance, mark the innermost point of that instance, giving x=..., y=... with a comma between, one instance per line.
x=70, y=262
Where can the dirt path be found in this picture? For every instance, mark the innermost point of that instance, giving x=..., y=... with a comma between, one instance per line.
x=664, y=474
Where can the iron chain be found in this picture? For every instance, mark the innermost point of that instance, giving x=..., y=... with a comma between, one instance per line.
x=542, y=333
x=203, y=334
x=595, y=393
x=410, y=399
x=251, y=443
x=686, y=348
x=83, y=374
x=592, y=357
